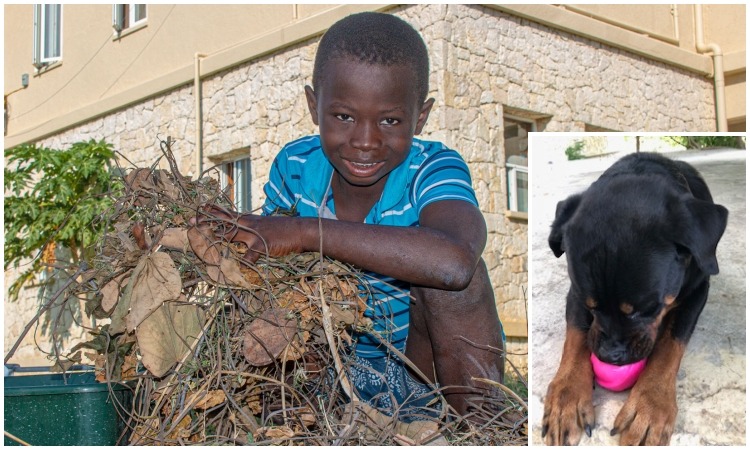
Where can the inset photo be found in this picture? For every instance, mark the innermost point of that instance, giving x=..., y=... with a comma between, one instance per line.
x=638, y=288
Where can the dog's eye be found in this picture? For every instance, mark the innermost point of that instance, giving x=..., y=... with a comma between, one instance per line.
x=648, y=311
x=683, y=255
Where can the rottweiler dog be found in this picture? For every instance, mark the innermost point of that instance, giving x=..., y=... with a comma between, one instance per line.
x=640, y=244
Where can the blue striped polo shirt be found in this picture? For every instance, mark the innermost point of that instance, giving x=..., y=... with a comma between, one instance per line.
x=300, y=179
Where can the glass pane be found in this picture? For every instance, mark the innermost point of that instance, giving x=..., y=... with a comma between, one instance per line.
x=522, y=191
x=242, y=185
x=139, y=13
x=51, y=31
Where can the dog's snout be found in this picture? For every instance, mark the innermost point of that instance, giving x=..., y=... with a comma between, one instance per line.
x=613, y=353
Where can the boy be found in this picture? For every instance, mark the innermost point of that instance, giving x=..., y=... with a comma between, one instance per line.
x=399, y=208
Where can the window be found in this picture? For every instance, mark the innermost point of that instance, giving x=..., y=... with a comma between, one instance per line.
x=127, y=16
x=516, y=133
x=518, y=187
x=47, y=34
x=235, y=180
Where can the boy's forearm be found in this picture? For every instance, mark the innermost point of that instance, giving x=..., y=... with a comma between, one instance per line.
x=418, y=255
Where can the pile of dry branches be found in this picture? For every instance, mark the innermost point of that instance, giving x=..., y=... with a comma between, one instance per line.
x=221, y=351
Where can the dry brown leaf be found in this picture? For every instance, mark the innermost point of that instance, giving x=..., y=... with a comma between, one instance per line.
x=294, y=350
x=48, y=253
x=268, y=336
x=117, y=324
x=175, y=239
x=347, y=288
x=129, y=366
x=205, y=400
x=100, y=368
x=297, y=301
x=139, y=233
x=182, y=430
x=253, y=275
x=165, y=185
x=342, y=315
x=126, y=241
x=306, y=416
x=230, y=270
x=306, y=288
x=138, y=180
x=274, y=433
x=159, y=281
x=291, y=299
x=204, y=244
x=255, y=400
x=165, y=337
x=111, y=292
x=214, y=273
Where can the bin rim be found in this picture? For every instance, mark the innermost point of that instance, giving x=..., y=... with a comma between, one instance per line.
x=76, y=386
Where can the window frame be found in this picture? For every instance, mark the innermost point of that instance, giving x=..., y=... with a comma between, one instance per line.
x=236, y=181
x=124, y=16
x=41, y=35
x=132, y=7
x=513, y=171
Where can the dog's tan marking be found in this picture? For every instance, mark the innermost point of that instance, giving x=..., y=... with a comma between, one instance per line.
x=626, y=308
x=669, y=304
x=649, y=413
x=591, y=303
x=568, y=408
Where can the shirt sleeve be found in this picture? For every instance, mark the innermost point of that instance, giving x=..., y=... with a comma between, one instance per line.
x=442, y=176
x=279, y=194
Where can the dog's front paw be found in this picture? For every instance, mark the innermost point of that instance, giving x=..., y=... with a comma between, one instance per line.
x=568, y=410
x=648, y=415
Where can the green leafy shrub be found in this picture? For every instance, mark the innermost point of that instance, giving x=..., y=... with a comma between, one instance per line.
x=703, y=142
x=53, y=197
x=575, y=150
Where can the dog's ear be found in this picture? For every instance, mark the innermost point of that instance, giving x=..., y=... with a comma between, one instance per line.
x=700, y=226
x=563, y=213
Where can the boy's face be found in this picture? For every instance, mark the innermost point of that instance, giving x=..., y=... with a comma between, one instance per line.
x=367, y=115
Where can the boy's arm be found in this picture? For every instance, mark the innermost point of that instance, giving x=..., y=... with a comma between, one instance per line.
x=441, y=253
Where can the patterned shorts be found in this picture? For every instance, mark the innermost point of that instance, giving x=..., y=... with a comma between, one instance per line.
x=386, y=385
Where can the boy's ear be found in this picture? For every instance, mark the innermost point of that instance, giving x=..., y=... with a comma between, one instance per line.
x=312, y=103
x=424, y=113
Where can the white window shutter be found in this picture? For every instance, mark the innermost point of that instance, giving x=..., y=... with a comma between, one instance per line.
x=37, y=57
x=118, y=19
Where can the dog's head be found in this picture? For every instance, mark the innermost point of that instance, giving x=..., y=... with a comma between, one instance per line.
x=631, y=248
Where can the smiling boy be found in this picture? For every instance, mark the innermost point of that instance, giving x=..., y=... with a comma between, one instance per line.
x=401, y=209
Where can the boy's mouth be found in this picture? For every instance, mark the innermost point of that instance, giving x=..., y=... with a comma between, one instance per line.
x=362, y=170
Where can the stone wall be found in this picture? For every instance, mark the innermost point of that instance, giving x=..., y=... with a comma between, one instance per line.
x=483, y=61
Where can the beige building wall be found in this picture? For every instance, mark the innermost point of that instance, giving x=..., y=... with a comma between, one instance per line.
x=101, y=72
x=487, y=62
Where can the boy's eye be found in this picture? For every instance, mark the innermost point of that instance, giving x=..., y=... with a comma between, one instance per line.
x=344, y=117
x=391, y=121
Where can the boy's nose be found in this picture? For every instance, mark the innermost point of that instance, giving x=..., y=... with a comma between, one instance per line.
x=366, y=136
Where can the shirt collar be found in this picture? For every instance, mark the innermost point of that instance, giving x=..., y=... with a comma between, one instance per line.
x=396, y=186
x=317, y=172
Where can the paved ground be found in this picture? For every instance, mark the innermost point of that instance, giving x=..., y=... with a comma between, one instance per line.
x=711, y=381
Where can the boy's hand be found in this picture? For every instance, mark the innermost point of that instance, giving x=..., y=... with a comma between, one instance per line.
x=274, y=236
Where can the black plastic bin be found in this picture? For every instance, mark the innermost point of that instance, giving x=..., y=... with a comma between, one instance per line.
x=76, y=410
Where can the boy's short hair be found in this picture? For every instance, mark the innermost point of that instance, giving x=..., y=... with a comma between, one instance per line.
x=375, y=38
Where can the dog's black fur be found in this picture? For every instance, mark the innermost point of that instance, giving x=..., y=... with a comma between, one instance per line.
x=640, y=245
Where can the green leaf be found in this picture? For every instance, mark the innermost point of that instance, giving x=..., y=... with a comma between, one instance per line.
x=54, y=195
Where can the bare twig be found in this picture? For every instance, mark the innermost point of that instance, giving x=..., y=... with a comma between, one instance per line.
x=16, y=439
x=44, y=309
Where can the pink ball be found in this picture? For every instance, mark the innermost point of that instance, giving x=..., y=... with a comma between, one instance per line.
x=616, y=378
